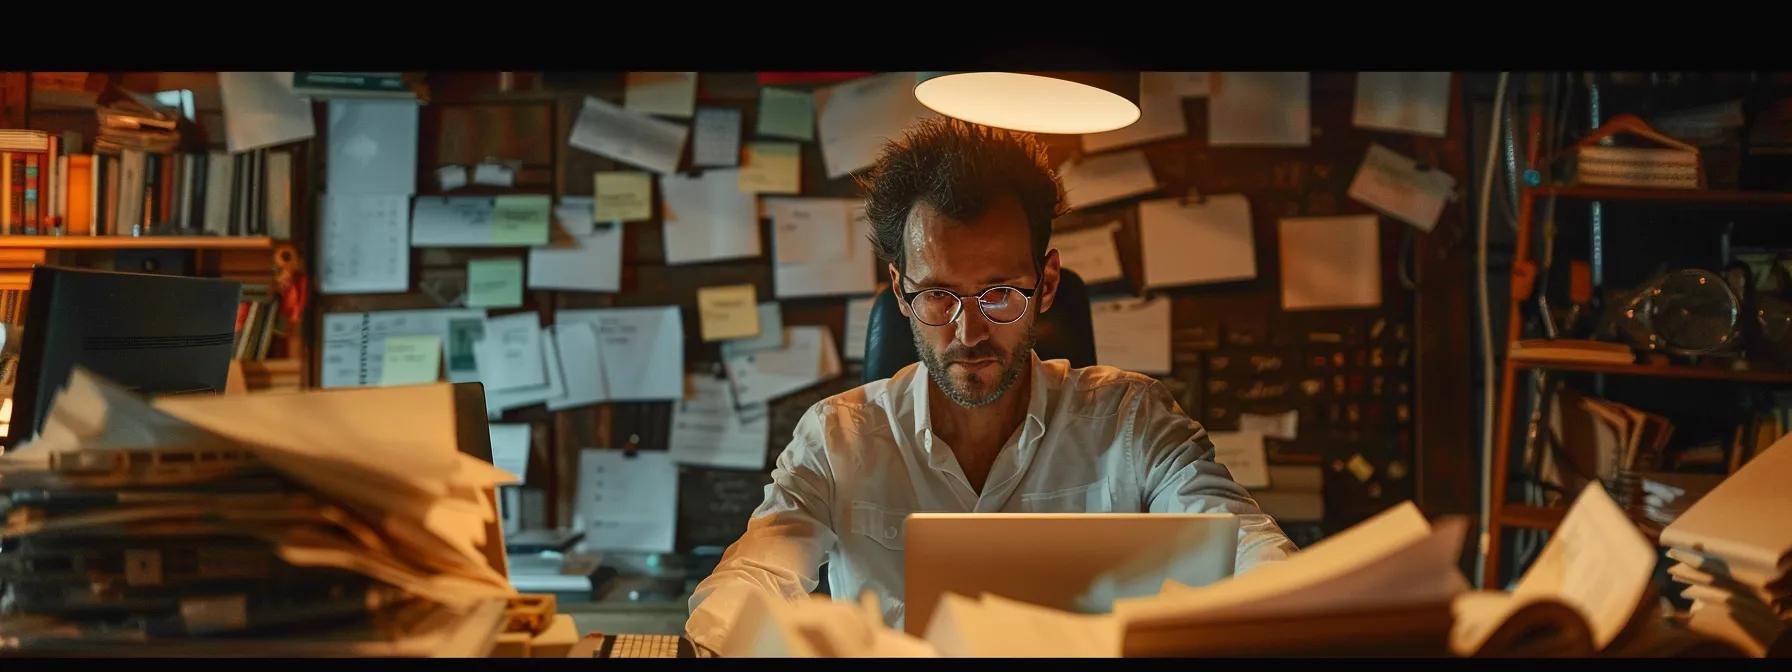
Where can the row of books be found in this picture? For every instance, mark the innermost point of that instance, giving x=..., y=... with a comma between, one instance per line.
x=134, y=192
x=256, y=322
x=12, y=305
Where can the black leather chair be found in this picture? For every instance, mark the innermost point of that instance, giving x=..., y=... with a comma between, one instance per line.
x=1065, y=331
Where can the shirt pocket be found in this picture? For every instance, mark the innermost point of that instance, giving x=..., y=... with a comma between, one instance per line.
x=879, y=524
x=1089, y=498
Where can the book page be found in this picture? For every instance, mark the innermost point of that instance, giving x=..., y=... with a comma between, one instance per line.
x=1597, y=562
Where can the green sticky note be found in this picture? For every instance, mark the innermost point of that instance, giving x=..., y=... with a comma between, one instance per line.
x=787, y=114
x=411, y=360
x=521, y=220
x=495, y=283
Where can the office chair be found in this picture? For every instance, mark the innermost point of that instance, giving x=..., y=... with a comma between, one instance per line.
x=1065, y=331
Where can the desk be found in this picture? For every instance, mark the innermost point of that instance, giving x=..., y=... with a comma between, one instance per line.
x=648, y=618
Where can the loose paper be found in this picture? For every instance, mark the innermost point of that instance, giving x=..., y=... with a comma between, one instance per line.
x=354, y=343
x=642, y=350
x=449, y=178
x=510, y=354
x=1396, y=186
x=366, y=244
x=1160, y=116
x=627, y=503
x=411, y=360
x=1107, y=177
x=1242, y=453
x=1330, y=262
x=495, y=283
x=708, y=217
x=804, y=231
x=261, y=111
x=852, y=271
x=858, y=326
x=1196, y=243
x=494, y=175
x=771, y=333
x=631, y=137
x=808, y=357
x=623, y=195
x=576, y=215
x=373, y=147
x=510, y=448
x=854, y=119
x=1132, y=334
x=672, y=94
x=1259, y=109
x=588, y=263
x=1090, y=252
x=1281, y=426
x=521, y=219
x=716, y=141
x=582, y=364
x=708, y=430
x=498, y=401
x=1409, y=102
x=771, y=168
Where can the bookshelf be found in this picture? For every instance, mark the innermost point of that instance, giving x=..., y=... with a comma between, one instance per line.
x=137, y=242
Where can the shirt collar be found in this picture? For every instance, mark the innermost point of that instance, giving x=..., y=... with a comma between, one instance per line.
x=1042, y=386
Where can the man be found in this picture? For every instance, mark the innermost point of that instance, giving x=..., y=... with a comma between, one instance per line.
x=961, y=214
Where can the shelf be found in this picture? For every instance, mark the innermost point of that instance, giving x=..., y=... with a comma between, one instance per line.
x=138, y=242
x=1768, y=199
x=1533, y=517
x=1662, y=371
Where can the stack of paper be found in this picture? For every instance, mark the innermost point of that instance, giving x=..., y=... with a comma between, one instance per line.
x=1735, y=552
x=1602, y=439
x=300, y=507
x=769, y=627
x=821, y=247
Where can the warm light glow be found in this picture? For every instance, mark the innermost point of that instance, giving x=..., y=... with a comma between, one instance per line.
x=1028, y=103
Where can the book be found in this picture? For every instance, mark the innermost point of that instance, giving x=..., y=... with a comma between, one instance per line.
x=24, y=140
x=114, y=166
x=78, y=206
x=8, y=216
x=132, y=168
x=351, y=85
x=279, y=195
x=33, y=186
x=220, y=169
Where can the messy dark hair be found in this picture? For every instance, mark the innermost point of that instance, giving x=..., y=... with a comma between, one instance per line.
x=959, y=169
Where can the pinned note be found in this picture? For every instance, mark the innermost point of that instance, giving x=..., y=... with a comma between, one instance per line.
x=510, y=448
x=411, y=360
x=627, y=502
x=1260, y=109
x=498, y=401
x=673, y=94
x=1242, y=453
x=1330, y=262
x=1132, y=334
x=707, y=217
x=623, y=195
x=716, y=141
x=372, y=147
x=635, y=138
x=495, y=283
x=1161, y=116
x=708, y=430
x=494, y=175
x=853, y=271
x=588, y=262
x=1280, y=426
x=854, y=119
x=582, y=365
x=642, y=350
x=1400, y=188
x=805, y=231
x=520, y=219
x=1108, y=177
x=808, y=357
x=1408, y=102
x=576, y=215
x=449, y=178
x=1196, y=243
x=366, y=244
x=510, y=354
x=771, y=168
x=727, y=312
x=787, y=114
x=770, y=337
x=260, y=110
x=1090, y=252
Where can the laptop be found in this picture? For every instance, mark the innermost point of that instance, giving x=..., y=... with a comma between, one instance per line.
x=1078, y=562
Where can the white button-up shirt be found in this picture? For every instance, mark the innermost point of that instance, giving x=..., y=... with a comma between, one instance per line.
x=1095, y=439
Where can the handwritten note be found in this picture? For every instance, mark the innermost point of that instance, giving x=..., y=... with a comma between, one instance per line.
x=717, y=137
x=411, y=360
x=1398, y=187
x=1195, y=243
x=708, y=430
x=495, y=283
x=623, y=195
x=1090, y=252
x=366, y=244
x=1243, y=455
x=521, y=219
x=850, y=272
x=642, y=350
x=804, y=231
x=627, y=503
x=1107, y=177
x=772, y=168
x=632, y=137
x=727, y=312
x=510, y=355
x=787, y=114
x=1133, y=334
x=708, y=217
x=854, y=119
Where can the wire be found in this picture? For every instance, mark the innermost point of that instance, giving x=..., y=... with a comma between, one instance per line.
x=1493, y=145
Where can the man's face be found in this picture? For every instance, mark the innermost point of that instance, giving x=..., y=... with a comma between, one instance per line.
x=972, y=360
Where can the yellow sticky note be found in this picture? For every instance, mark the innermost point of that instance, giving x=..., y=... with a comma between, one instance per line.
x=728, y=311
x=495, y=283
x=787, y=114
x=623, y=195
x=521, y=219
x=771, y=168
x=411, y=360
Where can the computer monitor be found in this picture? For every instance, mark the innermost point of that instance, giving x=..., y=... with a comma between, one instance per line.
x=1072, y=561
x=156, y=334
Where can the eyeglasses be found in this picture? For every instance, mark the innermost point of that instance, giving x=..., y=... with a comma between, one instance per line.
x=1001, y=304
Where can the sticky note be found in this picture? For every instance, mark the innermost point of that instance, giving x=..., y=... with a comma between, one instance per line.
x=728, y=311
x=623, y=195
x=521, y=219
x=495, y=283
x=452, y=177
x=494, y=175
x=787, y=114
x=771, y=168
x=411, y=360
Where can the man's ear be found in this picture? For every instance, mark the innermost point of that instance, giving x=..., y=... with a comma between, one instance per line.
x=1048, y=281
x=896, y=288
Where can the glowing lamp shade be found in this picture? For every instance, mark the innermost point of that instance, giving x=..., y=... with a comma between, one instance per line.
x=1056, y=102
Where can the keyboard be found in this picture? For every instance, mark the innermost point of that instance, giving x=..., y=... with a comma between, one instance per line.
x=644, y=646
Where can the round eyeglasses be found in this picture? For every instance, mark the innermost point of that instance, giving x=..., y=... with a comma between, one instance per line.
x=1001, y=304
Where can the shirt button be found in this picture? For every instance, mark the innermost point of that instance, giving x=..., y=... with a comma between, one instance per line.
x=889, y=533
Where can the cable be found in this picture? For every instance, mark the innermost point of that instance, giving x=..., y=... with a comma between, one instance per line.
x=1493, y=146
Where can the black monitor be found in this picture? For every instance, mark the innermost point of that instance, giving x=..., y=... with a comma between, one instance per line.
x=156, y=334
